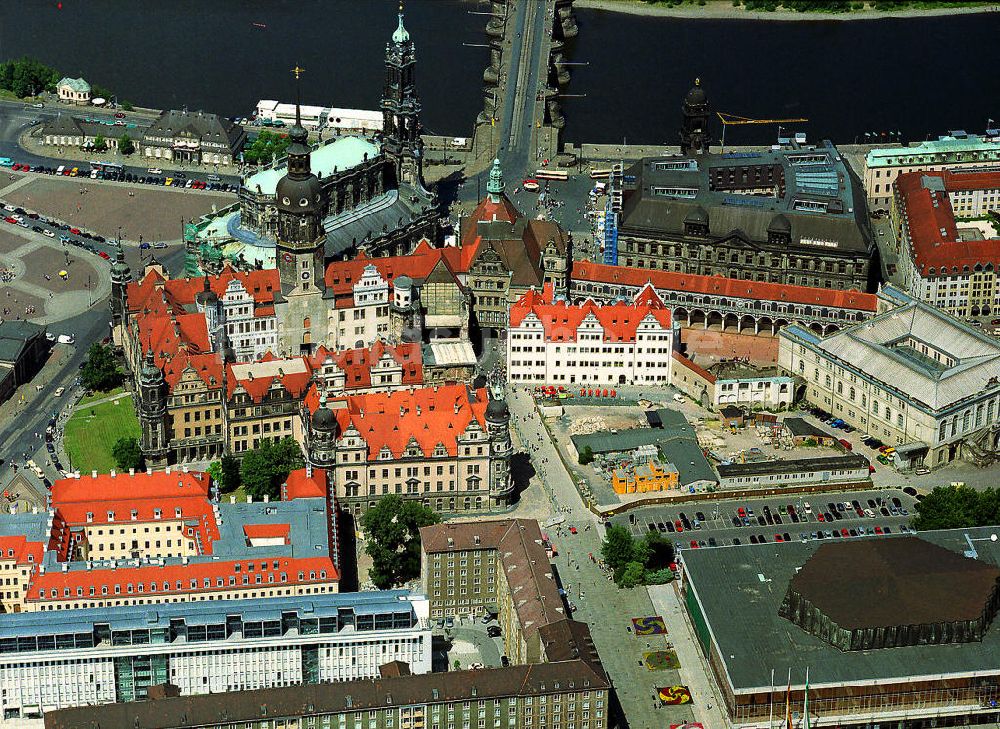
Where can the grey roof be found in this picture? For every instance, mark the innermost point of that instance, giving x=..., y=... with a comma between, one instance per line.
x=390, y=211
x=881, y=347
x=801, y=465
x=200, y=125
x=14, y=338
x=125, y=617
x=812, y=176
x=676, y=441
x=69, y=125
x=802, y=427
x=741, y=588
x=539, y=679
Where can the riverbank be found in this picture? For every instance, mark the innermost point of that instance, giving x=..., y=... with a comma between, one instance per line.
x=724, y=10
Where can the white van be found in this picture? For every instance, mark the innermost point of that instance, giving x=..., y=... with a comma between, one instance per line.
x=66, y=339
x=60, y=169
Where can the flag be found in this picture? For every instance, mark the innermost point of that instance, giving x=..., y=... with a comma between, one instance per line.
x=805, y=703
x=788, y=702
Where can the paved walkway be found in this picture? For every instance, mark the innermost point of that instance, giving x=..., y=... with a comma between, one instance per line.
x=602, y=605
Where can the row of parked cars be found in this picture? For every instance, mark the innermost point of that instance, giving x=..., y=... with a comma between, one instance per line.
x=154, y=176
x=843, y=533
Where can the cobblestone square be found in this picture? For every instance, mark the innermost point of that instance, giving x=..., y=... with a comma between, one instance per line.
x=49, y=261
x=100, y=207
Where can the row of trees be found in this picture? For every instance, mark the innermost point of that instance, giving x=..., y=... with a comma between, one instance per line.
x=27, y=77
x=635, y=562
x=266, y=147
x=957, y=507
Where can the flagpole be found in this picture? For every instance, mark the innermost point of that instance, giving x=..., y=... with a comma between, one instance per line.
x=788, y=701
x=805, y=704
x=770, y=714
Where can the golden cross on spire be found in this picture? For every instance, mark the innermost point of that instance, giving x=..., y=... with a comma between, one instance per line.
x=297, y=71
x=400, y=5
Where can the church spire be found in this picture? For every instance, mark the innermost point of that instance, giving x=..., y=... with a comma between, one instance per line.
x=495, y=185
x=401, y=35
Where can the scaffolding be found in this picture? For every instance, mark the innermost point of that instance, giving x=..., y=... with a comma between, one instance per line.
x=612, y=210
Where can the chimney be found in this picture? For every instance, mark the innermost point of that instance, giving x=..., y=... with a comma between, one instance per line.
x=113, y=474
x=402, y=412
x=93, y=474
x=185, y=469
x=131, y=472
x=149, y=471
x=168, y=470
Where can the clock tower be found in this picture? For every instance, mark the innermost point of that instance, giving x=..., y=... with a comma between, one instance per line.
x=301, y=242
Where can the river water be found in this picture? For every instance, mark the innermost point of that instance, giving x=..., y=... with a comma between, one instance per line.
x=918, y=76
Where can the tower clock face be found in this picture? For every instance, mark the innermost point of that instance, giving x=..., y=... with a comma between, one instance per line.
x=287, y=257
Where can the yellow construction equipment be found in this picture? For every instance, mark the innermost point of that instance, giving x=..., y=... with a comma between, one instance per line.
x=734, y=120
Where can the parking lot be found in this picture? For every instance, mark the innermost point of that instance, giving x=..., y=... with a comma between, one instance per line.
x=832, y=515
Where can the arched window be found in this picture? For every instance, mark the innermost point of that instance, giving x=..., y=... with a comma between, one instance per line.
x=306, y=322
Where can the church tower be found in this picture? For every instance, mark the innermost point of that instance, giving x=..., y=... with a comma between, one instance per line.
x=154, y=443
x=501, y=449
x=494, y=186
x=121, y=276
x=694, y=124
x=301, y=241
x=322, y=434
x=401, y=108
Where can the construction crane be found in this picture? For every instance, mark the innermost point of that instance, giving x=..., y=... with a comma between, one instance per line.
x=734, y=120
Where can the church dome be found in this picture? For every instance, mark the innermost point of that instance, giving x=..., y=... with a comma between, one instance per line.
x=299, y=194
x=497, y=410
x=323, y=418
x=696, y=95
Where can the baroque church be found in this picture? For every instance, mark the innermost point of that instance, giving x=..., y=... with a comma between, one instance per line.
x=371, y=192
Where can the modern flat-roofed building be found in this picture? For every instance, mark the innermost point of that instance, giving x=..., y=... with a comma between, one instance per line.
x=572, y=693
x=913, y=375
x=895, y=631
x=99, y=656
x=851, y=468
x=955, y=151
x=794, y=215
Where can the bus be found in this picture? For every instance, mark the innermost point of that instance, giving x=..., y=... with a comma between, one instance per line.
x=106, y=166
x=600, y=174
x=552, y=175
x=6, y=162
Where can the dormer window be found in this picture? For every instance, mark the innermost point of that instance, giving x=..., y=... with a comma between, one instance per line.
x=177, y=512
x=157, y=513
x=111, y=516
x=90, y=517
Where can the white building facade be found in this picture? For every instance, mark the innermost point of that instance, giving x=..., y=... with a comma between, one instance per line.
x=82, y=657
x=912, y=376
x=558, y=343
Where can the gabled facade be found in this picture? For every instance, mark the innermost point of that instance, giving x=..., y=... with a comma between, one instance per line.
x=551, y=341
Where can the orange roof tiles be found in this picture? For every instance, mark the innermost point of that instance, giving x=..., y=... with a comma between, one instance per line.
x=300, y=485
x=721, y=286
x=195, y=577
x=357, y=363
x=137, y=498
x=341, y=276
x=935, y=245
x=258, y=385
x=267, y=531
x=697, y=369
x=561, y=320
x=427, y=416
x=17, y=547
x=260, y=284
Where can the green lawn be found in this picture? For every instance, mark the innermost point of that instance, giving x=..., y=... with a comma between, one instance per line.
x=90, y=437
x=99, y=396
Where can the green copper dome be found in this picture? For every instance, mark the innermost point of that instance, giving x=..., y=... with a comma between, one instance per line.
x=401, y=35
x=495, y=185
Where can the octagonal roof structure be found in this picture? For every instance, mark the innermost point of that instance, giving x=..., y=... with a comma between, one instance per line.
x=883, y=593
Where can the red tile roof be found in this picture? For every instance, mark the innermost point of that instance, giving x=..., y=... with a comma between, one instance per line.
x=267, y=531
x=181, y=578
x=16, y=547
x=698, y=370
x=341, y=276
x=73, y=499
x=428, y=415
x=299, y=485
x=935, y=246
x=486, y=211
x=257, y=386
x=178, y=292
x=560, y=319
x=720, y=286
x=357, y=363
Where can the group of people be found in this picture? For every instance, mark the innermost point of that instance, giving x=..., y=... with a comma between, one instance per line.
x=6, y=275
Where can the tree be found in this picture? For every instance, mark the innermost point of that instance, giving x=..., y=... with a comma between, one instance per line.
x=125, y=145
x=633, y=575
x=265, y=147
x=27, y=77
x=225, y=473
x=586, y=456
x=100, y=143
x=268, y=464
x=127, y=454
x=127, y=106
x=618, y=548
x=100, y=372
x=956, y=507
x=392, y=530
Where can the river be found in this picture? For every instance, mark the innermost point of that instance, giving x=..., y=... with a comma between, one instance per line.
x=918, y=76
